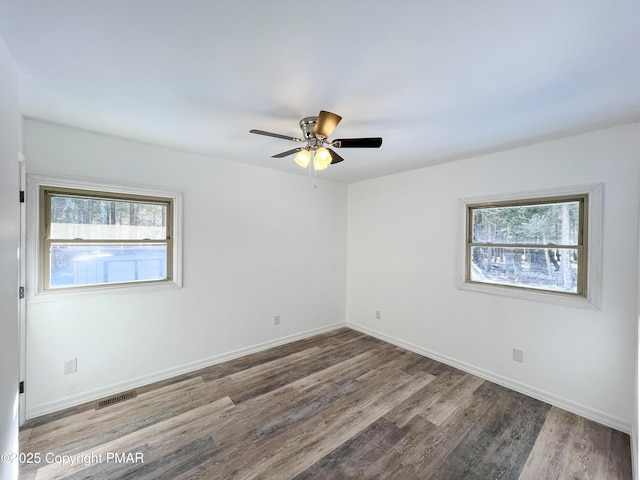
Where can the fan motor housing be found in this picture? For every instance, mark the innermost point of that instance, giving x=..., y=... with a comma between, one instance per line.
x=307, y=125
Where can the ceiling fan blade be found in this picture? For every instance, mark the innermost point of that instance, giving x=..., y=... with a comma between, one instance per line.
x=335, y=158
x=374, y=142
x=276, y=135
x=287, y=153
x=326, y=123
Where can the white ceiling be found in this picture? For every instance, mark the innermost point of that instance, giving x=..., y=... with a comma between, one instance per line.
x=438, y=80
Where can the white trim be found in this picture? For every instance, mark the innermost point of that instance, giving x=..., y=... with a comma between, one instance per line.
x=34, y=182
x=98, y=393
x=593, y=298
x=22, y=302
x=544, y=396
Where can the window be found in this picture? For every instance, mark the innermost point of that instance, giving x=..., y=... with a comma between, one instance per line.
x=535, y=247
x=534, y=244
x=93, y=238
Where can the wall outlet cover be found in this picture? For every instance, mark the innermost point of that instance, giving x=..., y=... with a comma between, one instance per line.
x=71, y=366
x=518, y=355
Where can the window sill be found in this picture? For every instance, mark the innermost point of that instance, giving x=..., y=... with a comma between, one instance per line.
x=118, y=289
x=532, y=295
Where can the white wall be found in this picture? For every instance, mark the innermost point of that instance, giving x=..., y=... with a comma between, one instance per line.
x=260, y=242
x=10, y=124
x=403, y=254
x=256, y=243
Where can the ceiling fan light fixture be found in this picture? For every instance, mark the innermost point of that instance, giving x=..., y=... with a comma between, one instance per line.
x=322, y=158
x=318, y=164
x=315, y=135
x=303, y=158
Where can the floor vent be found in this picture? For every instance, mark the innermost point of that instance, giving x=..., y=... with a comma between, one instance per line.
x=107, y=402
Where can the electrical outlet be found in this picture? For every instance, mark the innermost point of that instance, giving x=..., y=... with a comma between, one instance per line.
x=276, y=319
x=518, y=355
x=71, y=366
x=377, y=314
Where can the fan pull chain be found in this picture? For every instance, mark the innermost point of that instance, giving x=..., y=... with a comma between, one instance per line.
x=315, y=175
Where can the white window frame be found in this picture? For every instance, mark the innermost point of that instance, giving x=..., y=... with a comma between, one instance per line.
x=592, y=297
x=35, y=288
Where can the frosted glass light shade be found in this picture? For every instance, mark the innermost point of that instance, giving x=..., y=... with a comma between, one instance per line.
x=303, y=158
x=322, y=159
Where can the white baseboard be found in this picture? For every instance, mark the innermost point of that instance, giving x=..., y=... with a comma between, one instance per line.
x=555, y=400
x=96, y=394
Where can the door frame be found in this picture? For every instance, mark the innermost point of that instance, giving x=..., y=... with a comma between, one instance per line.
x=22, y=276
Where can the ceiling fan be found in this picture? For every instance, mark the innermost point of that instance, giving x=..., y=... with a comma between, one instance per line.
x=316, y=132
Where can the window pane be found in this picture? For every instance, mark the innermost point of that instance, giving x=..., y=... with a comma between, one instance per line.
x=555, y=223
x=75, y=265
x=103, y=219
x=543, y=268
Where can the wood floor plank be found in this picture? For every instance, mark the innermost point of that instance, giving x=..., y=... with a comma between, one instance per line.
x=335, y=338
x=144, y=410
x=163, y=437
x=301, y=445
x=169, y=466
x=595, y=445
x=443, y=396
x=324, y=359
x=570, y=446
x=550, y=454
x=24, y=435
x=346, y=419
x=431, y=366
x=619, y=461
x=282, y=401
x=250, y=416
x=298, y=412
x=94, y=426
x=338, y=405
x=426, y=445
x=362, y=456
x=507, y=432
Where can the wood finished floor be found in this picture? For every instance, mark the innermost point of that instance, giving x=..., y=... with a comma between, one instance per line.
x=336, y=406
